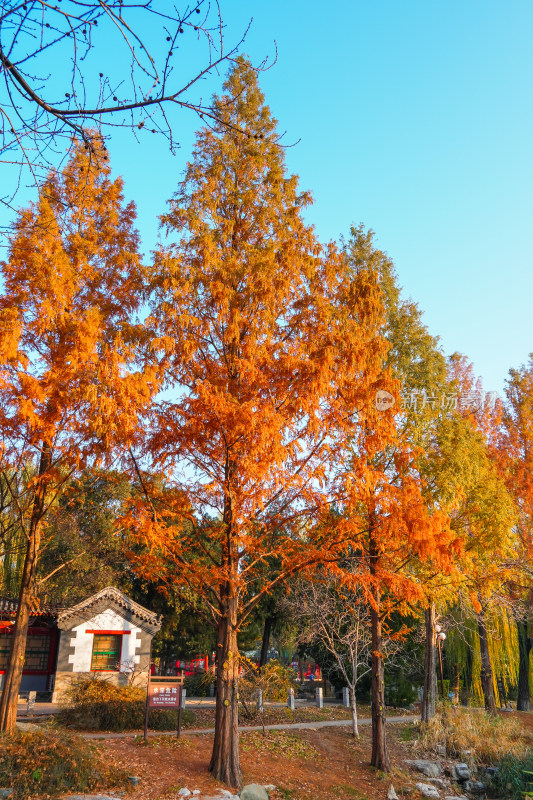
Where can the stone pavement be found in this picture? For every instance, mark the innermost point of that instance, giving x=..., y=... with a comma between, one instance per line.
x=286, y=726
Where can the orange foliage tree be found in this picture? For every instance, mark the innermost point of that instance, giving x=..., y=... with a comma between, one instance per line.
x=385, y=493
x=417, y=362
x=72, y=282
x=271, y=350
x=271, y=354
x=398, y=533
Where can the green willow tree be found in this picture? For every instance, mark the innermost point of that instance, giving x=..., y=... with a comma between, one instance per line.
x=514, y=454
x=483, y=511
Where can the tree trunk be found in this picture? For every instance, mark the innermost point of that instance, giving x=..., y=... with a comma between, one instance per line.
x=430, y=673
x=487, y=681
x=353, y=706
x=467, y=679
x=266, y=641
x=523, y=701
x=225, y=764
x=13, y=675
x=380, y=756
x=456, y=682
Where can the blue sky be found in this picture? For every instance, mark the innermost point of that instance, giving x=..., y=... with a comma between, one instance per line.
x=414, y=118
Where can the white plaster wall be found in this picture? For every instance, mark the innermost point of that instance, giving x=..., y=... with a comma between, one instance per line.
x=107, y=620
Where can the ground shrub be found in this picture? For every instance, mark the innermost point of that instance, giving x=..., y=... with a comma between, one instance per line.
x=489, y=738
x=97, y=705
x=400, y=693
x=50, y=763
x=273, y=679
x=277, y=680
x=509, y=780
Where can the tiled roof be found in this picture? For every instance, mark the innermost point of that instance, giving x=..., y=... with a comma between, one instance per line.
x=118, y=598
x=8, y=608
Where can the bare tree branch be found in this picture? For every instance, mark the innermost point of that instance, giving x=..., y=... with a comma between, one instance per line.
x=53, y=83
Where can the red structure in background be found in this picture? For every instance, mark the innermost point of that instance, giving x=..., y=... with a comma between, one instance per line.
x=194, y=666
x=201, y=665
x=41, y=652
x=311, y=673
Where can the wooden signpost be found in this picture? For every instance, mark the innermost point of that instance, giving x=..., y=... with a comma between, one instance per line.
x=164, y=692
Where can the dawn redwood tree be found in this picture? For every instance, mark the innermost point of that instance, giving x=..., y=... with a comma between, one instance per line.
x=401, y=533
x=408, y=536
x=271, y=354
x=418, y=362
x=72, y=283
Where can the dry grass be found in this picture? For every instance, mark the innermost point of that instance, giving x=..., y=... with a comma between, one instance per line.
x=485, y=738
x=49, y=763
x=291, y=745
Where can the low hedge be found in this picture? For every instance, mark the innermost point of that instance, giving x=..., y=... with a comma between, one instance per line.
x=97, y=705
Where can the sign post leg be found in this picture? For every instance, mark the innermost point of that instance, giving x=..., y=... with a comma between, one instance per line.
x=147, y=709
x=146, y=721
x=178, y=733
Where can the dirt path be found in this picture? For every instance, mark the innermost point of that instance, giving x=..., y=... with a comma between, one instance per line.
x=305, y=761
x=313, y=763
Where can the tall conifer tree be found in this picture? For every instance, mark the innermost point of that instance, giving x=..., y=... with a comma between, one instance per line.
x=73, y=280
x=408, y=535
x=273, y=351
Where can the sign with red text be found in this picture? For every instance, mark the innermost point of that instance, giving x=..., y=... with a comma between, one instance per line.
x=164, y=695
